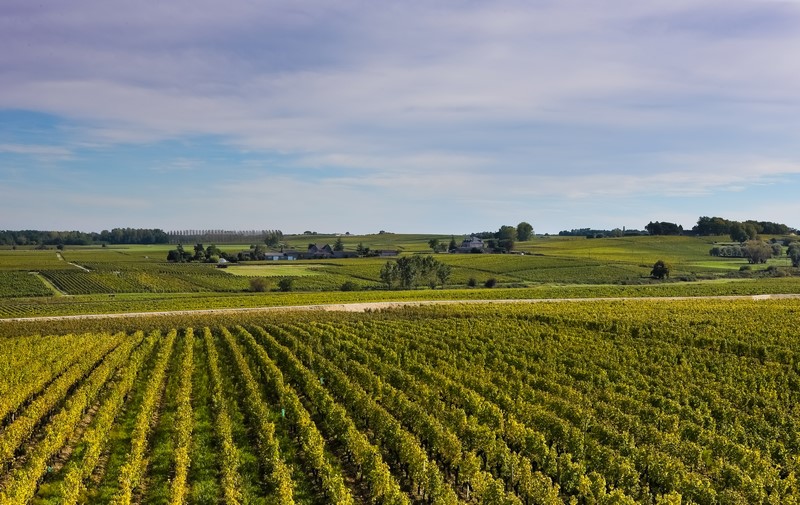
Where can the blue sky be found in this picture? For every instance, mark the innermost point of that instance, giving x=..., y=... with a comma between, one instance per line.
x=413, y=116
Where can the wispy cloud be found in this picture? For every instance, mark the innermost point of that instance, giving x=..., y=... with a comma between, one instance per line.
x=40, y=151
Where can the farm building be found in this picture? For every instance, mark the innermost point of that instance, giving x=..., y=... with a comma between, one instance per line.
x=471, y=244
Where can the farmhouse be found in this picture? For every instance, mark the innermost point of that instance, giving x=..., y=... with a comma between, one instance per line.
x=316, y=252
x=284, y=255
x=472, y=244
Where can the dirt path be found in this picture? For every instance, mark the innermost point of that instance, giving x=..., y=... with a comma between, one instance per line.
x=369, y=306
x=44, y=280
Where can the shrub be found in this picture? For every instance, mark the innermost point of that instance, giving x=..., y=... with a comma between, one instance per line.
x=259, y=284
x=286, y=284
x=472, y=282
x=350, y=286
x=660, y=270
x=490, y=283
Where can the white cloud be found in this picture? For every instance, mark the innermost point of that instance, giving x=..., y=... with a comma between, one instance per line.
x=416, y=101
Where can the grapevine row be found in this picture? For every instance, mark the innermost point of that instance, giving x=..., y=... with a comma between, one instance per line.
x=277, y=472
x=24, y=480
x=311, y=442
x=184, y=421
x=334, y=420
x=425, y=420
x=28, y=365
x=96, y=437
x=23, y=427
x=229, y=464
x=132, y=471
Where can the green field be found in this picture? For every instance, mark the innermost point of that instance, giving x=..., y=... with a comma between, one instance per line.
x=602, y=402
x=138, y=278
x=275, y=270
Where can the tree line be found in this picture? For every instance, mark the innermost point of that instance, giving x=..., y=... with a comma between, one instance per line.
x=270, y=237
x=113, y=236
x=751, y=228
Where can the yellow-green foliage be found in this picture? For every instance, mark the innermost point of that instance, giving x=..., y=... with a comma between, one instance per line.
x=629, y=401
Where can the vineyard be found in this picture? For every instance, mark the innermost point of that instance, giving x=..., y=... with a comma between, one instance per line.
x=656, y=402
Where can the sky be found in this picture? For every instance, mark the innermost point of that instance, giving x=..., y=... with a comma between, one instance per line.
x=406, y=116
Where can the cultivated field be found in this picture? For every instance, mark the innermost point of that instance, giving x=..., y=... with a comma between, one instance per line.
x=634, y=400
x=138, y=278
x=587, y=402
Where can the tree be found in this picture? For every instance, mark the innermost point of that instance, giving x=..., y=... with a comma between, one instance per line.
x=741, y=232
x=389, y=274
x=524, y=231
x=407, y=271
x=490, y=282
x=737, y=232
x=286, y=284
x=505, y=237
x=794, y=253
x=434, y=244
x=257, y=251
x=339, y=245
x=175, y=255
x=179, y=255
x=443, y=273
x=756, y=251
x=199, y=252
x=273, y=238
x=453, y=245
x=361, y=250
x=660, y=270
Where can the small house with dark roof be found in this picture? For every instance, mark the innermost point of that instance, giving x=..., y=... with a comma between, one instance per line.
x=316, y=252
x=472, y=244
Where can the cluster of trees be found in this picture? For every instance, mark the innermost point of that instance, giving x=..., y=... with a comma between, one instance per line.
x=592, y=233
x=739, y=231
x=721, y=226
x=225, y=236
x=756, y=251
x=503, y=239
x=210, y=254
x=411, y=271
x=114, y=236
x=437, y=246
x=663, y=228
